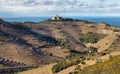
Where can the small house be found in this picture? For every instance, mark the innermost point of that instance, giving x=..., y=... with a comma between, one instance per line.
x=57, y=18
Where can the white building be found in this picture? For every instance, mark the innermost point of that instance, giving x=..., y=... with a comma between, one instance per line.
x=57, y=18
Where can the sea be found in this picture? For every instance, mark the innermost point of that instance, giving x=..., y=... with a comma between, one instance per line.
x=115, y=21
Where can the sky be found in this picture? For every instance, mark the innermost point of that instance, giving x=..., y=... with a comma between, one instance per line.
x=37, y=8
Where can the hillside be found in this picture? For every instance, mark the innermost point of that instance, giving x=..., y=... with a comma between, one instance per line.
x=109, y=67
x=18, y=43
x=41, y=43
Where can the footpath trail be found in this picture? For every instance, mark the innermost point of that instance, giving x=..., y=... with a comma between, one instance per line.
x=106, y=57
x=104, y=43
x=41, y=70
x=67, y=71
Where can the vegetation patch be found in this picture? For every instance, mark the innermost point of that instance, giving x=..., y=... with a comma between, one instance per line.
x=93, y=49
x=116, y=45
x=63, y=65
x=63, y=43
x=91, y=37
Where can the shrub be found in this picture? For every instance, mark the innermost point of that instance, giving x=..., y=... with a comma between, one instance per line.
x=103, y=53
x=83, y=63
x=110, y=57
x=50, y=54
x=93, y=49
x=77, y=67
x=75, y=72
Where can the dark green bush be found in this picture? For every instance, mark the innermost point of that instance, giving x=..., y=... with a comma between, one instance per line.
x=93, y=49
x=103, y=53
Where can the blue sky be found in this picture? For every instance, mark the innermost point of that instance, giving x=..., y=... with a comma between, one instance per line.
x=17, y=8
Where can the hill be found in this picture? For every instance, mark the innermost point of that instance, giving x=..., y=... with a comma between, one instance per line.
x=41, y=43
x=109, y=67
x=19, y=43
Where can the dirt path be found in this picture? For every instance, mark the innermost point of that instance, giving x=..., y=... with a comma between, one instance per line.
x=41, y=70
x=104, y=43
x=106, y=57
x=66, y=71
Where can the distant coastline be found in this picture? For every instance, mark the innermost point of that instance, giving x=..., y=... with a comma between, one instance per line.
x=115, y=21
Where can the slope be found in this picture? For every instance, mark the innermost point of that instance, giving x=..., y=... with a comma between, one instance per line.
x=109, y=67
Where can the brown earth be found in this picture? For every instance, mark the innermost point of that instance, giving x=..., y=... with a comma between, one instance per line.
x=32, y=43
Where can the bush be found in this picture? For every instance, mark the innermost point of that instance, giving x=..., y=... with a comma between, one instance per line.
x=110, y=57
x=50, y=54
x=78, y=67
x=75, y=72
x=83, y=63
x=93, y=49
x=103, y=53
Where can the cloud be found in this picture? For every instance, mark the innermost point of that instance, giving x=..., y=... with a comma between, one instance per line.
x=36, y=7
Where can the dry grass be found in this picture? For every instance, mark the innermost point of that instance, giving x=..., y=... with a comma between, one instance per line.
x=57, y=51
x=16, y=52
x=41, y=70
